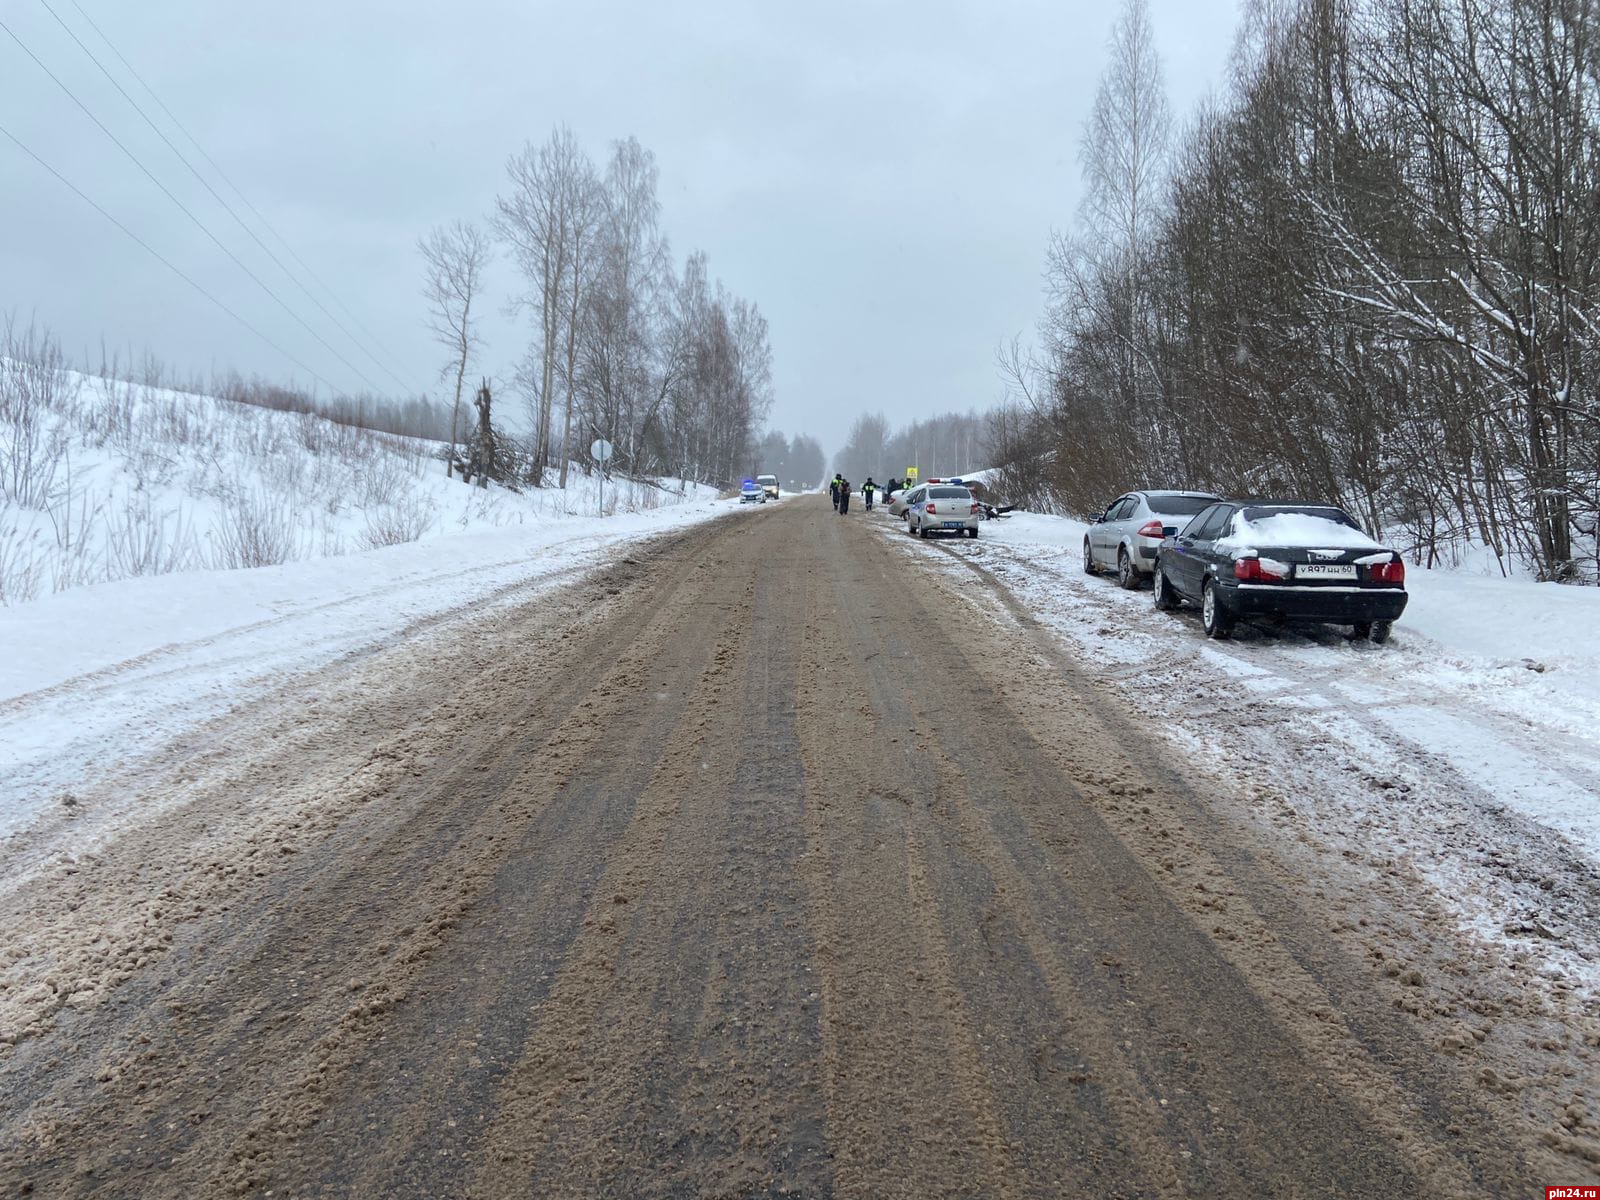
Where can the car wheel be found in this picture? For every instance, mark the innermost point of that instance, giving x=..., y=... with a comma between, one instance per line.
x=1217, y=620
x=1380, y=631
x=922, y=530
x=972, y=532
x=1127, y=573
x=1088, y=559
x=1166, y=599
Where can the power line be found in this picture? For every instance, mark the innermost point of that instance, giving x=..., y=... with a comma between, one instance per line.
x=166, y=262
x=201, y=225
x=215, y=166
x=205, y=183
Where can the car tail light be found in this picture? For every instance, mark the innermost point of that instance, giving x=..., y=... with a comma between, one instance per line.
x=974, y=506
x=1392, y=572
x=1251, y=570
x=1151, y=529
x=931, y=508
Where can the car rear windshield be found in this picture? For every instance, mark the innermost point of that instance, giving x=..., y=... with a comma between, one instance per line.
x=1296, y=525
x=1325, y=512
x=1178, y=506
x=948, y=493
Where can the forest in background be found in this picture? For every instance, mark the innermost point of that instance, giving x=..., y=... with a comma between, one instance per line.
x=942, y=445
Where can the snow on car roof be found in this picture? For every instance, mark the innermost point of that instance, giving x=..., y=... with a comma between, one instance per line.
x=1297, y=528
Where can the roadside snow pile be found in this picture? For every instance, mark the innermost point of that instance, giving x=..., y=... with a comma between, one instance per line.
x=103, y=480
x=1465, y=754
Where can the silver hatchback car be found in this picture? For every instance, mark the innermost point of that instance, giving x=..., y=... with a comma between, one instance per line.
x=1124, y=538
x=942, y=508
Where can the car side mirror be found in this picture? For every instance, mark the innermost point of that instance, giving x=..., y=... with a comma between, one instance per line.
x=1096, y=518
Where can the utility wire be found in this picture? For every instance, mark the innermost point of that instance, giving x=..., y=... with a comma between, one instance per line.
x=15, y=141
x=205, y=183
x=240, y=263
x=171, y=116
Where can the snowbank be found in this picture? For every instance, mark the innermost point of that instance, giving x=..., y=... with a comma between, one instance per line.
x=104, y=674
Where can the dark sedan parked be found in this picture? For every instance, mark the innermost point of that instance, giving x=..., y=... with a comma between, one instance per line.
x=1307, y=562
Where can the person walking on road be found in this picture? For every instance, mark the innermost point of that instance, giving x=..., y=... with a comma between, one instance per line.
x=867, y=490
x=844, y=496
x=833, y=489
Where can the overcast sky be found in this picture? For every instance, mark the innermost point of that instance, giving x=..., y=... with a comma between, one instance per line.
x=881, y=178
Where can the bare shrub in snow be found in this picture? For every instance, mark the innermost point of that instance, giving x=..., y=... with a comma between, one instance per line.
x=255, y=531
x=402, y=520
x=76, y=558
x=34, y=385
x=140, y=541
x=21, y=564
x=380, y=484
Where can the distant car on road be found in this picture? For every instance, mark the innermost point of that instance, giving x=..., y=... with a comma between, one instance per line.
x=749, y=493
x=1304, y=562
x=942, y=508
x=1124, y=538
x=769, y=485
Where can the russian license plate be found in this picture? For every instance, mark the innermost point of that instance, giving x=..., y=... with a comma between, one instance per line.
x=1325, y=571
x=955, y=524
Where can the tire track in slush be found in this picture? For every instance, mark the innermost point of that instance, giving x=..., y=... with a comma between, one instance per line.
x=531, y=925
x=909, y=1106
x=681, y=1076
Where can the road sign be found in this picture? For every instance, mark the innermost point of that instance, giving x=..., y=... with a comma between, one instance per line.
x=911, y=474
x=601, y=450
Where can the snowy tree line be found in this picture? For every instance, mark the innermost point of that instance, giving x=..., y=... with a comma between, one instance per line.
x=659, y=360
x=1370, y=273
x=944, y=445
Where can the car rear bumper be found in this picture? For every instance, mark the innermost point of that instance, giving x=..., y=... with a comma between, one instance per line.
x=1311, y=602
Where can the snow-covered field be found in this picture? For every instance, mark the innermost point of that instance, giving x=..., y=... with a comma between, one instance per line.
x=102, y=480
x=1464, y=756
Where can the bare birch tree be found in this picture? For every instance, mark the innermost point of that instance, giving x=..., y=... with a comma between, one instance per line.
x=454, y=259
x=1098, y=309
x=545, y=217
x=1125, y=141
